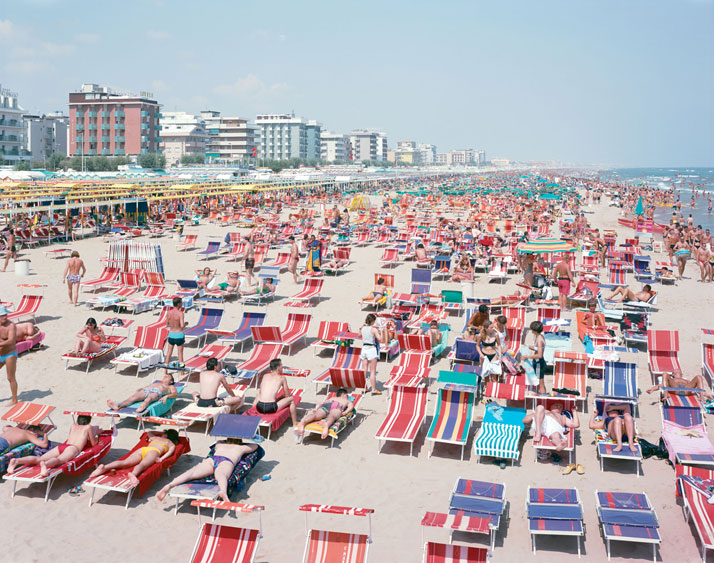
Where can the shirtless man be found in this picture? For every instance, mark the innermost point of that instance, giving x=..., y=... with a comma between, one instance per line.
x=161, y=391
x=694, y=386
x=420, y=254
x=564, y=275
x=8, y=351
x=617, y=416
x=249, y=257
x=10, y=247
x=266, y=402
x=265, y=285
x=293, y=260
x=13, y=436
x=176, y=324
x=80, y=433
x=626, y=294
x=73, y=273
x=553, y=424
x=210, y=380
x=327, y=413
x=220, y=463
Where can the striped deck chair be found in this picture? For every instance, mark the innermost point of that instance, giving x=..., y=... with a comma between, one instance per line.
x=243, y=333
x=148, y=349
x=188, y=242
x=449, y=553
x=421, y=281
x=390, y=257
x=584, y=292
x=505, y=391
x=685, y=435
x=389, y=287
x=339, y=425
x=457, y=522
x=662, y=350
x=236, y=252
x=108, y=276
x=554, y=512
x=627, y=517
x=323, y=546
x=695, y=493
x=296, y=328
x=617, y=276
x=211, y=250
x=463, y=351
x=517, y=313
x=708, y=362
x=198, y=362
x=620, y=381
x=273, y=421
x=147, y=301
x=479, y=499
x=500, y=433
x=29, y=304
x=605, y=445
x=544, y=443
x=328, y=335
x=406, y=414
x=25, y=414
x=452, y=419
x=192, y=413
x=109, y=346
x=119, y=482
x=570, y=375
x=347, y=357
x=258, y=361
x=219, y=543
x=546, y=315
x=208, y=319
x=412, y=371
x=280, y=262
x=499, y=270
x=312, y=289
x=442, y=266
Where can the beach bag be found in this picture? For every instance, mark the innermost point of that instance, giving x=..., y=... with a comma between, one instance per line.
x=649, y=449
x=490, y=367
x=531, y=377
x=589, y=347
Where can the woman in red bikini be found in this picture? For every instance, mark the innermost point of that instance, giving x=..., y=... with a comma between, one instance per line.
x=90, y=338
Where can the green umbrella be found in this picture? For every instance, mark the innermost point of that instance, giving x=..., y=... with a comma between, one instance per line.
x=639, y=209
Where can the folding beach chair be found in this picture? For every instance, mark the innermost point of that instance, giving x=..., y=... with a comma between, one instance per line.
x=708, y=362
x=449, y=553
x=108, y=276
x=389, y=288
x=192, y=413
x=500, y=433
x=685, y=435
x=453, y=301
x=606, y=445
x=198, y=362
x=662, y=350
x=273, y=421
x=24, y=415
x=554, y=512
x=258, y=361
x=696, y=493
x=584, y=292
x=464, y=351
x=442, y=266
x=406, y=414
x=209, y=319
x=452, y=419
x=109, y=346
x=118, y=481
x=479, y=499
x=329, y=335
x=346, y=357
x=390, y=257
x=498, y=270
x=148, y=349
x=339, y=425
x=544, y=443
x=188, y=242
x=627, y=517
x=296, y=328
x=312, y=289
x=421, y=281
x=620, y=381
x=412, y=371
x=330, y=547
x=29, y=304
x=243, y=333
x=280, y=263
x=218, y=543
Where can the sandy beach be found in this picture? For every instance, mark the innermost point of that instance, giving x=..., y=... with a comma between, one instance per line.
x=398, y=487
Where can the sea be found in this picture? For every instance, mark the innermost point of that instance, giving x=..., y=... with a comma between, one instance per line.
x=683, y=179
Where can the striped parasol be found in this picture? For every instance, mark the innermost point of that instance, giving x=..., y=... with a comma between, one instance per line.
x=543, y=245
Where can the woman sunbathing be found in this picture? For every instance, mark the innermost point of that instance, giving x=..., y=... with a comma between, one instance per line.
x=463, y=271
x=617, y=417
x=327, y=413
x=161, y=446
x=377, y=294
x=89, y=339
x=205, y=277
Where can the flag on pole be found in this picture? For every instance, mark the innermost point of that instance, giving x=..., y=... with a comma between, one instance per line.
x=254, y=152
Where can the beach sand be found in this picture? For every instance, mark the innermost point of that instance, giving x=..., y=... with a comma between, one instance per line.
x=398, y=487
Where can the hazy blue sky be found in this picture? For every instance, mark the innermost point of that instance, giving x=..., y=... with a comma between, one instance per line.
x=620, y=82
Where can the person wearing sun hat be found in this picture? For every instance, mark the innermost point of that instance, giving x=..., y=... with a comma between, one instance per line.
x=8, y=351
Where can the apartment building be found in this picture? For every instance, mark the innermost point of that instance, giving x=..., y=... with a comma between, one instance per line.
x=228, y=139
x=182, y=134
x=46, y=135
x=12, y=128
x=284, y=136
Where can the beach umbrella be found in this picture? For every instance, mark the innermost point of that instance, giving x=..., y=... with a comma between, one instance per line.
x=360, y=201
x=639, y=209
x=541, y=246
x=548, y=196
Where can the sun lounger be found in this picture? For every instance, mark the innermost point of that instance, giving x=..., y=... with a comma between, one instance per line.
x=198, y=362
x=272, y=422
x=339, y=425
x=32, y=343
x=459, y=521
x=29, y=304
x=258, y=361
x=498, y=271
x=585, y=291
x=390, y=257
x=449, y=553
x=151, y=297
x=627, y=517
x=620, y=381
x=328, y=335
x=188, y=242
x=346, y=357
x=243, y=333
x=696, y=494
x=109, y=346
x=312, y=289
x=554, y=512
x=192, y=413
x=89, y=457
x=156, y=409
x=413, y=370
x=421, y=280
x=544, y=443
x=452, y=419
x=708, y=362
x=479, y=499
x=148, y=349
x=209, y=319
x=406, y=414
x=220, y=543
x=296, y=328
x=606, y=445
x=571, y=375
x=118, y=481
x=685, y=435
x=464, y=351
x=663, y=349
x=25, y=414
x=108, y=276
x=329, y=547
x=500, y=433
x=113, y=299
x=211, y=250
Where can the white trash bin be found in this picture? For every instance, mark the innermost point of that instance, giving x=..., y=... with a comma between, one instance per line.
x=22, y=267
x=467, y=288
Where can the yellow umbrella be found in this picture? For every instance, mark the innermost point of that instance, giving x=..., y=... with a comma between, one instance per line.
x=360, y=201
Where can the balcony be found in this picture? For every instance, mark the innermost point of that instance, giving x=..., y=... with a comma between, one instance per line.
x=92, y=139
x=92, y=126
x=92, y=152
x=119, y=114
x=119, y=152
x=158, y=127
x=118, y=139
x=92, y=114
x=144, y=125
x=106, y=152
x=105, y=114
x=144, y=113
x=105, y=139
x=79, y=126
x=119, y=126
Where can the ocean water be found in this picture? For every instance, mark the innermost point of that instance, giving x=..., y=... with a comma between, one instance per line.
x=683, y=179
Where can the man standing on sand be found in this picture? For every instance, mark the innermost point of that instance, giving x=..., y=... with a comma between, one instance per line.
x=73, y=273
x=249, y=257
x=564, y=275
x=176, y=324
x=266, y=402
x=8, y=351
x=10, y=247
x=210, y=380
x=293, y=260
x=80, y=433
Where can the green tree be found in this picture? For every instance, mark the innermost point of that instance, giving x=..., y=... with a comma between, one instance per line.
x=23, y=165
x=152, y=160
x=53, y=162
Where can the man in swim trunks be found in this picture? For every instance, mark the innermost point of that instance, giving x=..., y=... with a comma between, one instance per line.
x=8, y=351
x=161, y=446
x=327, y=413
x=25, y=331
x=73, y=273
x=10, y=247
x=694, y=386
x=553, y=423
x=81, y=433
x=13, y=436
x=176, y=324
x=158, y=391
x=564, y=275
x=249, y=258
x=294, y=258
x=220, y=463
x=626, y=294
x=231, y=284
x=210, y=380
x=618, y=416
x=264, y=286
x=266, y=402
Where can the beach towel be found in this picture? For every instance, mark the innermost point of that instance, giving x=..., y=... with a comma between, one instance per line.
x=686, y=440
x=314, y=256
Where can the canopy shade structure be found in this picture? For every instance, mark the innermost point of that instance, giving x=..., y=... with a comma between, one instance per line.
x=360, y=201
x=548, y=196
x=542, y=246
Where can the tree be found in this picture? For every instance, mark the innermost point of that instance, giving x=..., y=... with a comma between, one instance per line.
x=192, y=159
x=152, y=160
x=53, y=162
x=23, y=165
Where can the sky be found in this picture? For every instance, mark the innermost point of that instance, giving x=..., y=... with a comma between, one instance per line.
x=601, y=82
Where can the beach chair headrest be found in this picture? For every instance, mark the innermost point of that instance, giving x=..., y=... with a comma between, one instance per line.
x=237, y=426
